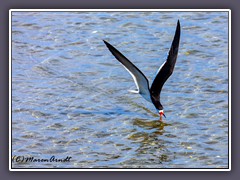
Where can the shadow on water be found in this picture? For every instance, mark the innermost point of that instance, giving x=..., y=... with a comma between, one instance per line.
x=149, y=136
x=152, y=124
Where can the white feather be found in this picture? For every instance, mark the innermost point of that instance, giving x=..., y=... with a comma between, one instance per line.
x=160, y=67
x=142, y=84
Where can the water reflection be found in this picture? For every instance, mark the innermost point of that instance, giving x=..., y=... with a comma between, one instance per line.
x=151, y=143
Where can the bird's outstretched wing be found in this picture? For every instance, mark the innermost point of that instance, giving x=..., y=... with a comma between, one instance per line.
x=138, y=77
x=167, y=67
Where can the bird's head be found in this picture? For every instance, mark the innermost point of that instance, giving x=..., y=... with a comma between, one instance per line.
x=161, y=113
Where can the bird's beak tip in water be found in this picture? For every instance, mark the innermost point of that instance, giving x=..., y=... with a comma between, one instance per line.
x=161, y=113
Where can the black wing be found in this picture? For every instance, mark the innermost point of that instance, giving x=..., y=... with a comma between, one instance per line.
x=166, y=69
x=138, y=77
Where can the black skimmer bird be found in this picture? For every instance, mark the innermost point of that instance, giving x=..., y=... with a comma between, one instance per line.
x=165, y=71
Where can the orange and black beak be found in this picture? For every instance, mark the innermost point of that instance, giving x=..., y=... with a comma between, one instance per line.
x=161, y=113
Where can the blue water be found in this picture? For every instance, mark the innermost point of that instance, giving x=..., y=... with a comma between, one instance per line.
x=70, y=96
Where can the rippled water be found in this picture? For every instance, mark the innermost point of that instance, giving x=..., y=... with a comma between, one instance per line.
x=70, y=96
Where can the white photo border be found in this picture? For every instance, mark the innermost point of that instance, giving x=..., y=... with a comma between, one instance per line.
x=119, y=10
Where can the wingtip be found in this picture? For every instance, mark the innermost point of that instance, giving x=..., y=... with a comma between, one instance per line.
x=178, y=28
x=106, y=43
x=178, y=23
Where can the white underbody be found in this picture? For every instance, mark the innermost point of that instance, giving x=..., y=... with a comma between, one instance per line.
x=141, y=83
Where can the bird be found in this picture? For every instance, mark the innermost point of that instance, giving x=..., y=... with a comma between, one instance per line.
x=151, y=94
